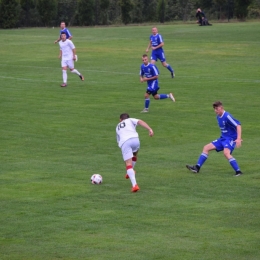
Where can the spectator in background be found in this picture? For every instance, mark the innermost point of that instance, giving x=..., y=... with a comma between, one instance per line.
x=201, y=18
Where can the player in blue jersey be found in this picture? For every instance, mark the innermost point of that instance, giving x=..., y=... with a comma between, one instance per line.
x=229, y=139
x=149, y=73
x=156, y=43
x=64, y=30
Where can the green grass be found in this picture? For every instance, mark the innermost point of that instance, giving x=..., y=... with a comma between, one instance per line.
x=53, y=139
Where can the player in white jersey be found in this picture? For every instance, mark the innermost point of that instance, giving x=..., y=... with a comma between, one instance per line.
x=67, y=56
x=128, y=141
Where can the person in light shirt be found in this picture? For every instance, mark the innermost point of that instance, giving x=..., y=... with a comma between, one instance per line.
x=128, y=141
x=67, y=56
x=230, y=137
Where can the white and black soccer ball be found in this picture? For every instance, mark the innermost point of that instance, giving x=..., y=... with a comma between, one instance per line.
x=96, y=179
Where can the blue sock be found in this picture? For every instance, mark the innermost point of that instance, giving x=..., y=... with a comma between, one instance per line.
x=163, y=96
x=234, y=164
x=169, y=68
x=203, y=157
x=147, y=103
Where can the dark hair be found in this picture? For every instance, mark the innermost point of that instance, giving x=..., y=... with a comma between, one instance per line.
x=124, y=116
x=63, y=33
x=217, y=104
x=145, y=55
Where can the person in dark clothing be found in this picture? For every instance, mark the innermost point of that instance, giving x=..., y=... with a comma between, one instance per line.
x=202, y=20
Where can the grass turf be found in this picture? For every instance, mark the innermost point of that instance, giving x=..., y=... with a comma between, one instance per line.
x=53, y=139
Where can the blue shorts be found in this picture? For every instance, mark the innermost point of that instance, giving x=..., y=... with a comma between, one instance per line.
x=152, y=92
x=158, y=55
x=222, y=143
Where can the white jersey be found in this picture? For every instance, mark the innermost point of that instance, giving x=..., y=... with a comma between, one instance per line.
x=66, y=47
x=126, y=130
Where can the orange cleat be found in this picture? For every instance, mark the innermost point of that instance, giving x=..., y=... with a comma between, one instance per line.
x=135, y=188
x=126, y=176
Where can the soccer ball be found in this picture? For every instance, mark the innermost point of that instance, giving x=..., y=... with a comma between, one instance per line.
x=96, y=179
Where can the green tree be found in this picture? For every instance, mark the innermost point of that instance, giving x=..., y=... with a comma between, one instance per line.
x=114, y=12
x=137, y=10
x=187, y=8
x=241, y=10
x=126, y=8
x=47, y=10
x=161, y=11
x=104, y=6
x=29, y=15
x=150, y=10
x=9, y=13
x=66, y=11
x=86, y=9
x=221, y=8
x=254, y=9
x=172, y=12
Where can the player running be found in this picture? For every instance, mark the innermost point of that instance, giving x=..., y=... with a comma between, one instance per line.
x=150, y=73
x=156, y=43
x=128, y=141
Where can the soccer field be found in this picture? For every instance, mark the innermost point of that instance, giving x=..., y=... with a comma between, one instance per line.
x=53, y=139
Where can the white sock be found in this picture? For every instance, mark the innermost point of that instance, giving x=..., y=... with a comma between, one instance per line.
x=131, y=175
x=64, y=75
x=75, y=71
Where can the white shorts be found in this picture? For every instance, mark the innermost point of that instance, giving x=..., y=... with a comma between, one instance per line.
x=129, y=147
x=67, y=63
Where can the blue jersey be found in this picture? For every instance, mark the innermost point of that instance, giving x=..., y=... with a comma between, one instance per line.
x=228, y=126
x=156, y=40
x=158, y=53
x=149, y=71
x=65, y=30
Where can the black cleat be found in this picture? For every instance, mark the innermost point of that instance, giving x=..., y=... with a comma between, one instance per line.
x=238, y=173
x=193, y=168
x=81, y=77
x=172, y=74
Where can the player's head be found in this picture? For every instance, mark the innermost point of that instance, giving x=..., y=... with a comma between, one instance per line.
x=62, y=25
x=124, y=116
x=218, y=108
x=198, y=10
x=154, y=31
x=145, y=59
x=63, y=36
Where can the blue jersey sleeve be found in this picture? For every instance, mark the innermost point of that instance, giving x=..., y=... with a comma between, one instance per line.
x=155, y=71
x=232, y=121
x=141, y=71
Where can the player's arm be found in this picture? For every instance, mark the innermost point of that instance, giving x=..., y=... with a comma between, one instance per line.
x=158, y=46
x=60, y=55
x=147, y=79
x=69, y=35
x=238, y=141
x=58, y=40
x=146, y=126
x=149, y=46
x=141, y=75
x=74, y=53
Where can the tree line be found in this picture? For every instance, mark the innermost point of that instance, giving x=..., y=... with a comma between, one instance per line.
x=36, y=13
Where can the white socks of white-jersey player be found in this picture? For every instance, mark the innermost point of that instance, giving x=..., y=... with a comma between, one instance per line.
x=131, y=175
x=64, y=76
x=75, y=71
